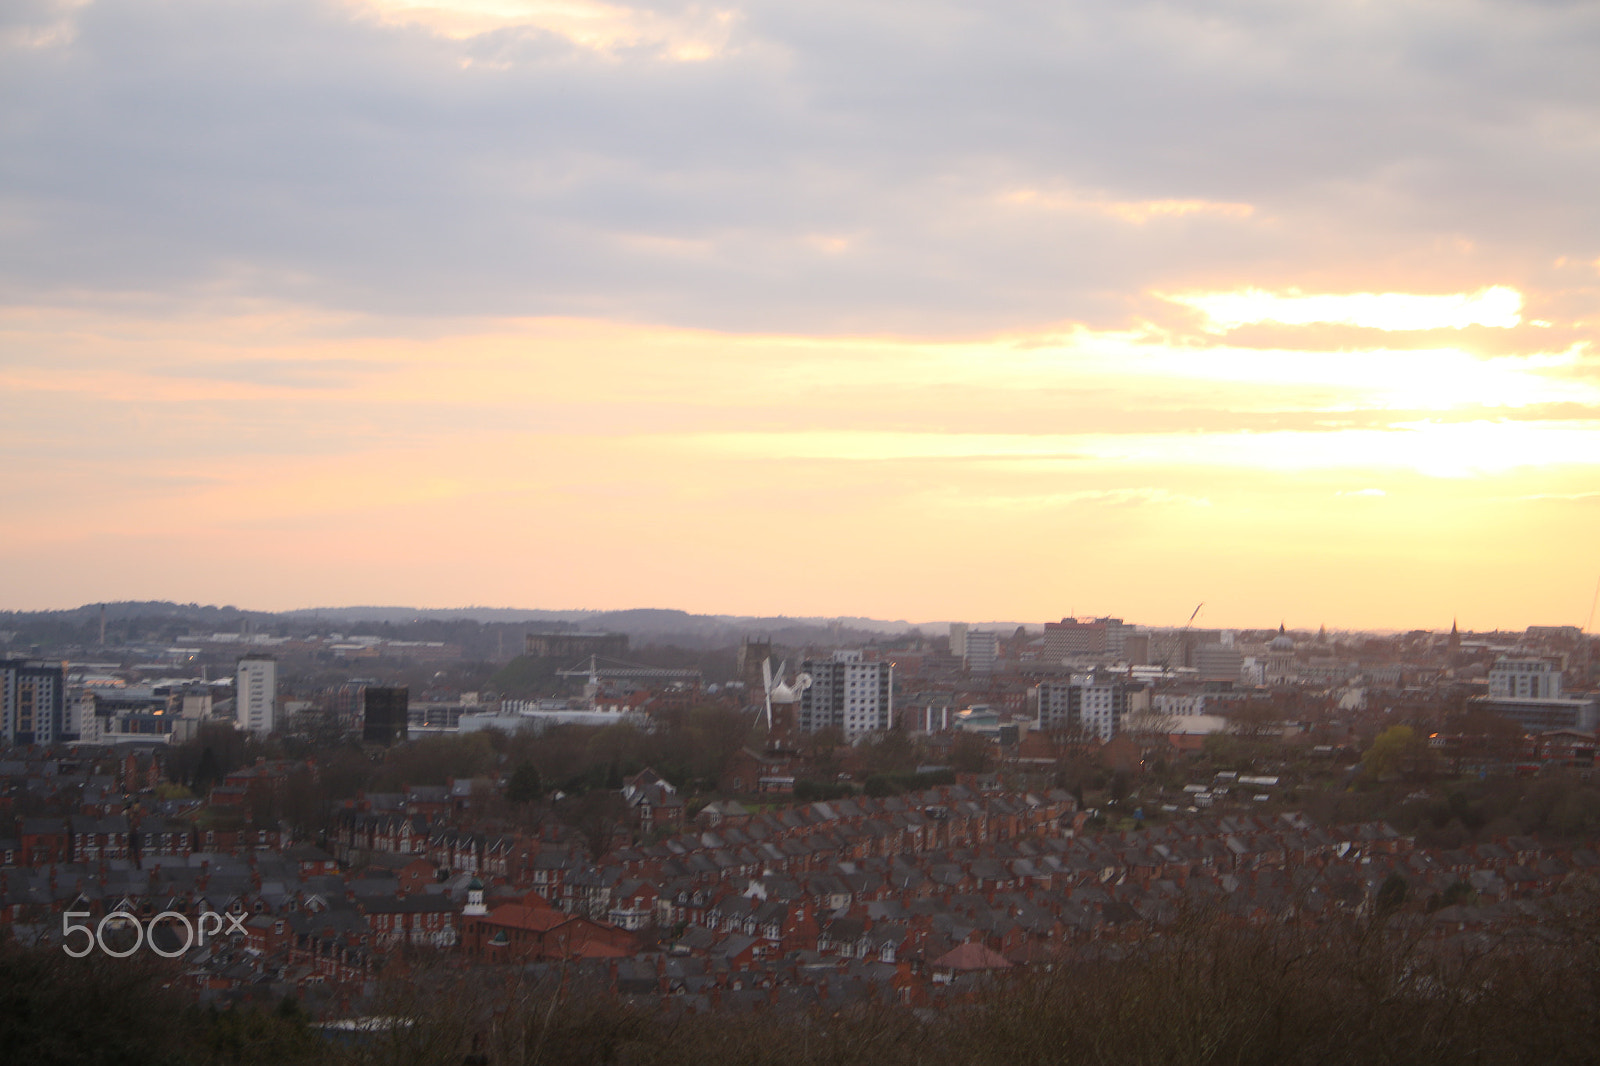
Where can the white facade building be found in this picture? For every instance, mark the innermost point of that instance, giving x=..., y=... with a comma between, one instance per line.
x=1524, y=679
x=1528, y=691
x=255, y=694
x=847, y=693
x=1179, y=703
x=1087, y=705
x=983, y=648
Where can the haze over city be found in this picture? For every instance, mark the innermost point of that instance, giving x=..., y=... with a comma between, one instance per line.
x=933, y=312
x=799, y=534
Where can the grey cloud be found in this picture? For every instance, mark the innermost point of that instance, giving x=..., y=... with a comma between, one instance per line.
x=288, y=150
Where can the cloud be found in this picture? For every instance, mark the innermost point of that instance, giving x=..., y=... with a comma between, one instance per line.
x=692, y=34
x=1136, y=212
x=1137, y=496
x=312, y=152
x=778, y=278
x=35, y=24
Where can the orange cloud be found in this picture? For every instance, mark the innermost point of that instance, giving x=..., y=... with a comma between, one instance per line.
x=285, y=459
x=1498, y=306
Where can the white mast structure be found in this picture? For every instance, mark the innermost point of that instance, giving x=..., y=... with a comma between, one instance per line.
x=780, y=691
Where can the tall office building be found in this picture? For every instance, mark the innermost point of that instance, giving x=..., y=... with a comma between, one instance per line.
x=1103, y=637
x=1070, y=638
x=1222, y=662
x=33, y=702
x=848, y=694
x=983, y=649
x=958, y=639
x=385, y=714
x=255, y=694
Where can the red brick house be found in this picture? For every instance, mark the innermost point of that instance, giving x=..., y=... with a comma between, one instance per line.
x=531, y=930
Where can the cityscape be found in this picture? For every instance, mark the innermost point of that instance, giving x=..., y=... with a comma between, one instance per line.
x=845, y=817
x=667, y=533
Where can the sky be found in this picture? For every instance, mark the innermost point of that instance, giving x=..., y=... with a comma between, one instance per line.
x=921, y=310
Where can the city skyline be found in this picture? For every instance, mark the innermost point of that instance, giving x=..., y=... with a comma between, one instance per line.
x=945, y=312
x=351, y=618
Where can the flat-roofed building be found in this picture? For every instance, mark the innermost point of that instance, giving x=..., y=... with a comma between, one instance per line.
x=847, y=693
x=1218, y=662
x=1581, y=713
x=1524, y=678
x=33, y=698
x=1105, y=638
x=1085, y=705
x=385, y=713
x=573, y=646
x=255, y=695
x=983, y=650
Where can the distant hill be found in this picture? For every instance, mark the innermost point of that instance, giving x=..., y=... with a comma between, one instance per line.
x=643, y=625
x=399, y=615
x=159, y=620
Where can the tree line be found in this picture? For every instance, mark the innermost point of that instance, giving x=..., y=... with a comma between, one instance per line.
x=1372, y=989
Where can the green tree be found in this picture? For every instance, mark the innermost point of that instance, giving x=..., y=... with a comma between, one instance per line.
x=1389, y=752
x=879, y=785
x=57, y=1010
x=209, y=770
x=524, y=786
x=893, y=752
x=1392, y=894
x=599, y=817
x=971, y=753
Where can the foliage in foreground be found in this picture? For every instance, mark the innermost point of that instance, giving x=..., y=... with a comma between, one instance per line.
x=1207, y=992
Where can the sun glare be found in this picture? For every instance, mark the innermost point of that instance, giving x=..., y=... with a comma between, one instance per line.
x=1498, y=306
x=1436, y=449
x=1424, y=379
x=692, y=37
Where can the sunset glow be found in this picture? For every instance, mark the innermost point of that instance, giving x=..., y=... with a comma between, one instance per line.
x=755, y=308
x=694, y=36
x=1498, y=307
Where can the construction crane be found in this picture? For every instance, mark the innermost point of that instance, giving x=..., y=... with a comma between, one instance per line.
x=599, y=669
x=1183, y=638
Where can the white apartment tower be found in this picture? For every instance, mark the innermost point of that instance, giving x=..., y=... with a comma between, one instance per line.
x=848, y=693
x=1088, y=705
x=256, y=694
x=983, y=649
